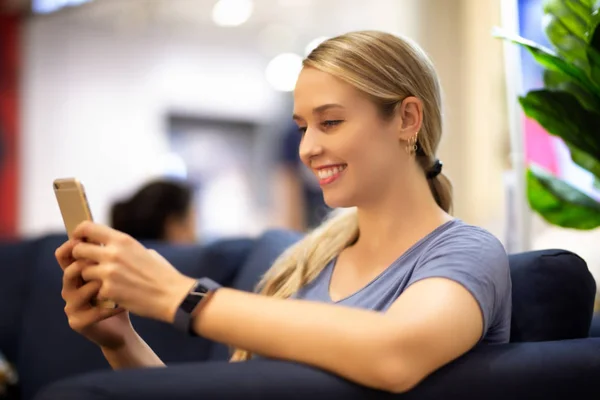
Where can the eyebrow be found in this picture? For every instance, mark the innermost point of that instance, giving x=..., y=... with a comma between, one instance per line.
x=320, y=109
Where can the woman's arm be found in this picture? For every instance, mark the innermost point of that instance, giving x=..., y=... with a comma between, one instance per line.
x=433, y=322
x=135, y=353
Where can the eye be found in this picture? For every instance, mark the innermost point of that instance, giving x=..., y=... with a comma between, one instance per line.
x=331, y=123
x=302, y=130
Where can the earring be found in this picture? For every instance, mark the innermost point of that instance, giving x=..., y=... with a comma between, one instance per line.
x=411, y=144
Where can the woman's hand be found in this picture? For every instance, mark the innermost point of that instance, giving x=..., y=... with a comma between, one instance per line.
x=108, y=328
x=127, y=273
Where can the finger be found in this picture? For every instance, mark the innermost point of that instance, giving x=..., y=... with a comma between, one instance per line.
x=89, y=251
x=72, y=275
x=95, y=314
x=64, y=254
x=83, y=295
x=96, y=272
x=85, y=318
x=96, y=233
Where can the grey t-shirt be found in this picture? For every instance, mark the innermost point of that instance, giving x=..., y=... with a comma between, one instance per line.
x=455, y=250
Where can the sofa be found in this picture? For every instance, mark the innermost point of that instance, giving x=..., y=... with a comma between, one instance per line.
x=551, y=354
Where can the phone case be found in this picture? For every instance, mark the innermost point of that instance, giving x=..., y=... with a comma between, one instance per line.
x=74, y=208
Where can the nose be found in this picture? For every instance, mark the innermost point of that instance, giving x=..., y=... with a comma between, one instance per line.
x=310, y=145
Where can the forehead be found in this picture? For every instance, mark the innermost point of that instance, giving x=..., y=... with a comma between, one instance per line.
x=315, y=88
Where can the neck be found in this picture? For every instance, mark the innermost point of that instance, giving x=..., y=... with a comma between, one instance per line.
x=400, y=217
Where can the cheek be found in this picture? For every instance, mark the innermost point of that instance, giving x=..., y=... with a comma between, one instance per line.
x=355, y=142
x=372, y=158
x=366, y=146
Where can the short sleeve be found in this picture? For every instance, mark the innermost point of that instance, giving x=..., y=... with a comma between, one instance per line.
x=475, y=259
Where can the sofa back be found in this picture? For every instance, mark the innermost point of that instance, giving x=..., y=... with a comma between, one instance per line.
x=35, y=334
x=553, y=295
x=15, y=263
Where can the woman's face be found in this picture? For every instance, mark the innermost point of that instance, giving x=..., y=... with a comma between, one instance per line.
x=354, y=152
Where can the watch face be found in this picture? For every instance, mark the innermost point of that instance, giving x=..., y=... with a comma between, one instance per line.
x=199, y=291
x=193, y=298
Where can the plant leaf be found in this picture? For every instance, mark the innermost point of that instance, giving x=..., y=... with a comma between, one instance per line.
x=583, y=9
x=593, y=58
x=549, y=60
x=593, y=52
x=585, y=161
x=560, y=203
x=567, y=43
x=561, y=115
x=572, y=15
x=593, y=34
x=591, y=4
x=558, y=81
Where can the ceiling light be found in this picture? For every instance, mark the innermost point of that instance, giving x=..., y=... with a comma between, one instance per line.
x=283, y=70
x=49, y=6
x=232, y=12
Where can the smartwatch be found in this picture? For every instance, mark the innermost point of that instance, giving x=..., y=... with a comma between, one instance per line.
x=183, y=315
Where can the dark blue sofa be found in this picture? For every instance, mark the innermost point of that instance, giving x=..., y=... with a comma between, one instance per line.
x=551, y=355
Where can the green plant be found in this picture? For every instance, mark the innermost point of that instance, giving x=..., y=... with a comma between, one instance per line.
x=568, y=107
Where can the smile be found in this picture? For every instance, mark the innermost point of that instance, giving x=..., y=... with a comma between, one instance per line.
x=330, y=174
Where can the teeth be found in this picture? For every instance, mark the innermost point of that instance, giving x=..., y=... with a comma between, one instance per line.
x=329, y=172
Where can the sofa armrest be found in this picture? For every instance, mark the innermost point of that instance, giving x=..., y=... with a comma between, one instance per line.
x=548, y=370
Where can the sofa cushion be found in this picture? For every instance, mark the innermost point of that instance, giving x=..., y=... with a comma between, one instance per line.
x=553, y=296
x=519, y=371
x=50, y=350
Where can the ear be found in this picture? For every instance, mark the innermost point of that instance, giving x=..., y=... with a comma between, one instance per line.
x=410, y=115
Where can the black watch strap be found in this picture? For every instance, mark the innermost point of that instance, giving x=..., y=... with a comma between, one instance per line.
x=183, y=315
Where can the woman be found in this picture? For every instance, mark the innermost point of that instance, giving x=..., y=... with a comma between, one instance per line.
x=160, y=210
x=383, y=293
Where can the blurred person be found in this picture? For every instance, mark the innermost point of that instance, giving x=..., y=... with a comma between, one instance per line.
x=299, y=202
x=160, y=210
x=390, y=271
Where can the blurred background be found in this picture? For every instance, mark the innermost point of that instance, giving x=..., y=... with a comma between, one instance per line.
x=118, y=92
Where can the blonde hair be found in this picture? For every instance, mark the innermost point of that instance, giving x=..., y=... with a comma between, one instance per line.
x=387, y=69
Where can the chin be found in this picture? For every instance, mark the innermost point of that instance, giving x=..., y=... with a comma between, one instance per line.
x=337, y=201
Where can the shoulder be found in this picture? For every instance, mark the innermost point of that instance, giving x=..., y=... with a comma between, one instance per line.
x=467, y=251
x=474, y=258
x=466, y=241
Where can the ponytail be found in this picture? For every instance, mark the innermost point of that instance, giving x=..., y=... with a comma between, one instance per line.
x=441, y=189
x=305, y=260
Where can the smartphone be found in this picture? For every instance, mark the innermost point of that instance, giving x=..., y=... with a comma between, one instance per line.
x=74, y=207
